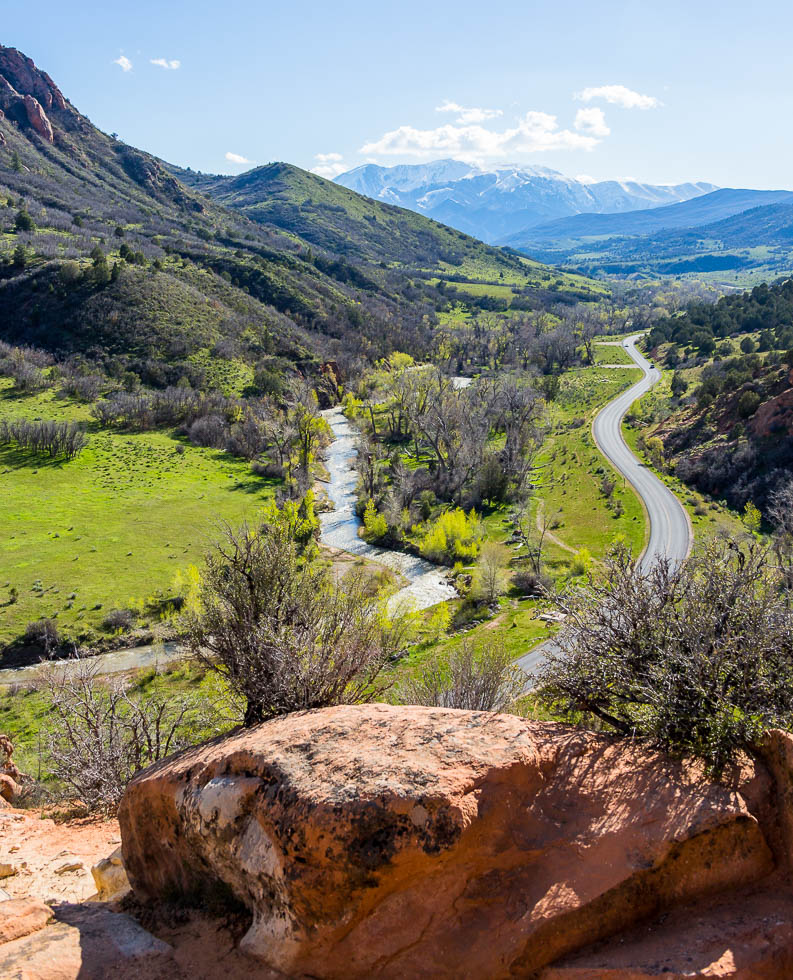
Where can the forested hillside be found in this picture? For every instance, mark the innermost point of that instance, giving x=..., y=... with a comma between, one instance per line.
x=752, y=244
x=727, y=424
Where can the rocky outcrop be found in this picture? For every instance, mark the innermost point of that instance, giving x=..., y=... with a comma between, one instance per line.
x=10, y=776
x=23, y=75
x=30, y=98
x=400, y=842
x=110, y=878
x=9, y=789
x=38, y=118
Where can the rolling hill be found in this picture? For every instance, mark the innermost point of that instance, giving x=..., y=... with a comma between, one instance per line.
x=746, y=248
x=103, y=251
x=567, y=233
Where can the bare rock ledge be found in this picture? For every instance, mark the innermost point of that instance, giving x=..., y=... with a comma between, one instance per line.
x=403, y=842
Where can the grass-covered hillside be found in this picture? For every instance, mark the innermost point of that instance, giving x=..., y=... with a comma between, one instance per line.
x=393, y=240
x=103, y=251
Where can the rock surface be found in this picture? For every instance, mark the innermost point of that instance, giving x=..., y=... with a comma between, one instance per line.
x=777, y=750
x=110, y=878
x=9, y=790
x=400, y=842
x=748, y=936
x=19, y=917
x=88, y=942
x=38, y=118
x=38, y=848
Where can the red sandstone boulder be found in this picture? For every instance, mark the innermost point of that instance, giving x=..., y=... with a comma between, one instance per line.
x=402, y=842
x=9, y=790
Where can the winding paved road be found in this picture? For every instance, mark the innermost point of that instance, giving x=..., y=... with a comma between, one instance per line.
x=670, y=531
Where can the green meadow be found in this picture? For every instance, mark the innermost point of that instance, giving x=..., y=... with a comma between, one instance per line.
x=112, y=528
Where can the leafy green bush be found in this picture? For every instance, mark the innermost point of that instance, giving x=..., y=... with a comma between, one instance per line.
x=581, y=562
x=748, y=404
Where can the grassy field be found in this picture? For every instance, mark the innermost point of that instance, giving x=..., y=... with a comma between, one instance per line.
x=572, y=469
x=611, y=354
x=112, y=527
x=526, y=273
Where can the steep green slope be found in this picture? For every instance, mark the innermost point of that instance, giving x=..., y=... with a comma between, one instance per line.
x=104, y=251
x=333, y=218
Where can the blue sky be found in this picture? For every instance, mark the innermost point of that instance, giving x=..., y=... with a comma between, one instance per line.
x=330, y=85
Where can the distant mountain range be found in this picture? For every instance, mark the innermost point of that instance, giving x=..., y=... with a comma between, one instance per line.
x=704, y=210
x=496, y=205
x=618, y=227
x=732, y=234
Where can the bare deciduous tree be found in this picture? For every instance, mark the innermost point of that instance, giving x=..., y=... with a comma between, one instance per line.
x=490, y=577
x=100, y=733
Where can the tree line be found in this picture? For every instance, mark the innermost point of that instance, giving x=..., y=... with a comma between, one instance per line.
x=51, y=439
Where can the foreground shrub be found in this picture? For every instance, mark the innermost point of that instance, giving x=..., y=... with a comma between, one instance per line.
x=476, y=678
x=102, y=731
x=284, y=634
x=696, y=658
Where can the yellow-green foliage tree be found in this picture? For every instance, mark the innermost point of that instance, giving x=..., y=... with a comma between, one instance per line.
x=454, y=536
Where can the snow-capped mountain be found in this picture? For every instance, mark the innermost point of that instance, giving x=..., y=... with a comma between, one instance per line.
x=496, y=204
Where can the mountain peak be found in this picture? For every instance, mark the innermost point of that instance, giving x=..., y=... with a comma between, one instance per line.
x=496, y=203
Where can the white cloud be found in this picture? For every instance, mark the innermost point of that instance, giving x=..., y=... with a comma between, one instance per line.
x=536, y=132
x=165, y=63
x=470, y=114
x=591, y=121
x=619, y=95
x=329, y=165
x=123, y=62
x=236, y=158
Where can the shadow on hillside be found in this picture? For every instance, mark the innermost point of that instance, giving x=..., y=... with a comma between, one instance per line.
x=14, y=458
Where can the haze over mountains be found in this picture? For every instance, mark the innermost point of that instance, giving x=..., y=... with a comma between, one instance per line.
x=496, y=204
